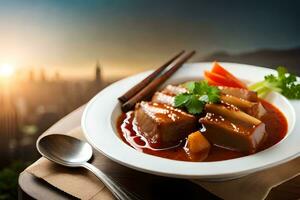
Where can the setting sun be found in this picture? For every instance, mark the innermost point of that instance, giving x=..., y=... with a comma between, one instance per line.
x=6, y=70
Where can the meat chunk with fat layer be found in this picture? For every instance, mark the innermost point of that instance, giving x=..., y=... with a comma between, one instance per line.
x=160, y=97
x=240, y=93
x=232, y=128
x=163, y=125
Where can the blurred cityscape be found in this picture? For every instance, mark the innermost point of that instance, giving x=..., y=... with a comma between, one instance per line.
x=30, y=106
x=31, y=103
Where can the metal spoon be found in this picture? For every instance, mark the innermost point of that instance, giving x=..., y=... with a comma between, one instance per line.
x=72, y=152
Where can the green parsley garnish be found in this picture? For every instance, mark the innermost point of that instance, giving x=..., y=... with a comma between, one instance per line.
x=199, y=94
x=284, y=83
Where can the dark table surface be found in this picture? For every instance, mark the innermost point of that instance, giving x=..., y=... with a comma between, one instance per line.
x=35, y=188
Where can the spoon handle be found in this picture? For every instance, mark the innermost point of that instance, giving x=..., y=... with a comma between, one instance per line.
x=119, y=193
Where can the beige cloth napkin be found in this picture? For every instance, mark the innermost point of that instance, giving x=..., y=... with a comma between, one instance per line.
x=84, y=185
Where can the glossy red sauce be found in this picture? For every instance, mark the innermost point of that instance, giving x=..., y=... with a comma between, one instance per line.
x=276, y=128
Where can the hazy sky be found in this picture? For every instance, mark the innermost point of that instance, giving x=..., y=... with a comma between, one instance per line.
x=130, y=36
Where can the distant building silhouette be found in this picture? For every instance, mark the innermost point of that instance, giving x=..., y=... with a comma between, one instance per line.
x=57, y=76
x=42, y=75
x=98, y=72
x=8, y=126
x=31, y=76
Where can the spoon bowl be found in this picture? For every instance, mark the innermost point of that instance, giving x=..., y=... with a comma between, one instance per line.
x=65, y=150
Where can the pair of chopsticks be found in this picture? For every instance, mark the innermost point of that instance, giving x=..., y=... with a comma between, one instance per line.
x=149, y=85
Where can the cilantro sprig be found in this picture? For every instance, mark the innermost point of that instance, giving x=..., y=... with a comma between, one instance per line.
x=199, y=94
x=284, y=83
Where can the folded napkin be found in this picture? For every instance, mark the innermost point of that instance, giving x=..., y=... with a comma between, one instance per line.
x=84, y=185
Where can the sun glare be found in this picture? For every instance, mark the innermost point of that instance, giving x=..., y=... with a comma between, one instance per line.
x=6, y=70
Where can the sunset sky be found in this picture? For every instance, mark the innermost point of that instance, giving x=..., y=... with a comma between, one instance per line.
x=130, y=36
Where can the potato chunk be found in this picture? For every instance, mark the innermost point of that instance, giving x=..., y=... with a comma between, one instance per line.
x=197, y=143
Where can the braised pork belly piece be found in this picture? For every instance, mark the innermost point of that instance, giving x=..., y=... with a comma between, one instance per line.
x=163, y=125
x=229, y=127
x=245, y=100
x=254, y=109
x=160, y=97
x=232, y=113
x=174, y=90
x=167, y=95
x=239, y=93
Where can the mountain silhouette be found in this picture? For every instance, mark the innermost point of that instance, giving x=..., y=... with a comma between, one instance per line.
x=271, y=58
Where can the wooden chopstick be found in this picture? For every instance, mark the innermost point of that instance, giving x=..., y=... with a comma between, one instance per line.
x=152, y=87
x=134, y=90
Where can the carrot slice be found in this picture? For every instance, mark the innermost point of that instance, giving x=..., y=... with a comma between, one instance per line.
x=218, y=69
x=220, y=80
x=211, y=82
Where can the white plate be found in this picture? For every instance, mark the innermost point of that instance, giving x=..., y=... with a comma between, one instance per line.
x=99, y=126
